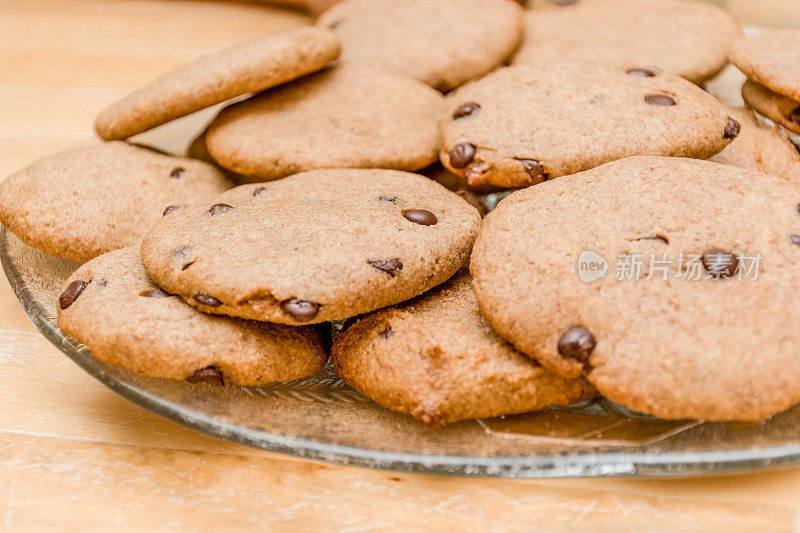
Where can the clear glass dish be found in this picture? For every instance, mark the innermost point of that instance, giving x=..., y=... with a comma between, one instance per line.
x=321, y=418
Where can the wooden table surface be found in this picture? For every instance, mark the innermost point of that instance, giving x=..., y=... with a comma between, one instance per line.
x=75, y=456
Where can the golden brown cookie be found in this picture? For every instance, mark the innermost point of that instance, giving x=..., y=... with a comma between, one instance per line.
x=352, y=116
x=246, y=67
x=771, y=58
x=437, y=359
x=111, y=306
x=313, y=247
x=525, y=124
x=666, y=282
x=440, y=42
x=83, y=202
x=690, y=39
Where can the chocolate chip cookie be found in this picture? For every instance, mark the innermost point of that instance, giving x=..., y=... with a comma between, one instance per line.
x=111, y=306
x=525, y=124
x=84, y=202
x=352, y=116
x=317, y=246
x=760, y=146
x=246, y=67
x=645, y=275
x=437, y=359
x=690, y=39
x=440, y=42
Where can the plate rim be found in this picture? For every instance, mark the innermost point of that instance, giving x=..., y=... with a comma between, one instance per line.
x=581, y=464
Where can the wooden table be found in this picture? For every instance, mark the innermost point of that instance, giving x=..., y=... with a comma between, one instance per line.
x=74, y=455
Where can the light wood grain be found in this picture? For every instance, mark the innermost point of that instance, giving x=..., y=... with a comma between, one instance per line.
x=75, y=456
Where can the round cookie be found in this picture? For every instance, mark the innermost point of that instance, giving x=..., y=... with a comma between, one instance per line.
x=81, y=203
x=351, y=116
x=775, y=106
x=701, y=338
x=524, y=124
x=249, y=66
x=109, y=305
x=760, y=146
x=690, y=39
x=772, y=59
x=437, y=359
x=317, y=246
x=440, y=42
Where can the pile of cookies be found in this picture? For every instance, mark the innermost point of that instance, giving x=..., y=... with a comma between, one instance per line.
x=339, y=190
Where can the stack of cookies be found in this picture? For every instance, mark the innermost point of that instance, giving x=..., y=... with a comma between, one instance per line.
x=342, y=185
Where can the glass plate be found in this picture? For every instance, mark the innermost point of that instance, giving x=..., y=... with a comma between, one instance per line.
x=321, y=418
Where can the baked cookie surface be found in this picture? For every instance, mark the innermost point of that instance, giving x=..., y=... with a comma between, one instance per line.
x=346, y=116
x=777, y=107
x=437, y=359
x=760, y=146
x=772, y=59
x=690, y=39
x=249, y=66
x=710, y=335
x=83, y=202
x=314, y=247
x=440, y=42
x=111, y=306
x=524, y=124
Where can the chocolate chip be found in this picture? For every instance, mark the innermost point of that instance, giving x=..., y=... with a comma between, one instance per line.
x=102, y=282
x=462, y=155
x=177, y=172
x=187, y=265
x=465, y=110
x=387, y=332
x=534, y=169
x=300, y=310
x=218, y=209
x=156, y=293
x=390, y=199
x=794, y=116
x=642, y=72
x=208, y=301
x=258, y=190
x=209, y=375
x=390, y=266
x=577, y=343
x=659, y=99
x=423, y=217
x=654, y=238
x=170, y=209
x=71, y=293
x=795, y=239
x=732, y=129
x=720, y=263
